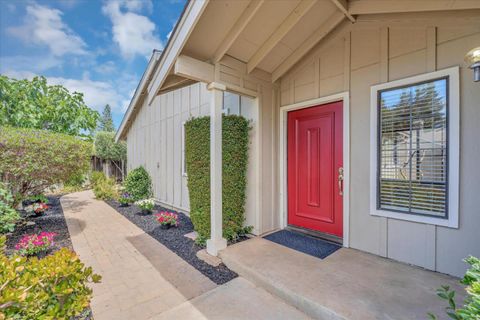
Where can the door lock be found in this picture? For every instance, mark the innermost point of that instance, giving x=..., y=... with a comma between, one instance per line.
x=340, y=181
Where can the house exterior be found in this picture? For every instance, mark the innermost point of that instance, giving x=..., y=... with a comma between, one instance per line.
x=365, y=120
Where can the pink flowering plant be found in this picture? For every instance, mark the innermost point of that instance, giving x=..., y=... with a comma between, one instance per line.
x=33, y=244
x=166, y=218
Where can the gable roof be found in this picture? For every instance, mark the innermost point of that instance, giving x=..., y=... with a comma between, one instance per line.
x=262, y=36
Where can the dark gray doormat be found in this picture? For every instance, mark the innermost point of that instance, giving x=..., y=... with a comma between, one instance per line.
x=303, y=243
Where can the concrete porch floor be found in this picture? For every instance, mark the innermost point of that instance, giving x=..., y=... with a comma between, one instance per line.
x=348, y=284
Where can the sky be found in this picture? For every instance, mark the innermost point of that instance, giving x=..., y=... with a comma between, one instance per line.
x=97, y=47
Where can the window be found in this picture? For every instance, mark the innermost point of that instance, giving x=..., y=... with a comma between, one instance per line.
x=415, y=143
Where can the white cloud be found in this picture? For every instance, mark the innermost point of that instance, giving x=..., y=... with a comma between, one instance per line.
x=106, y=68
x=36, y=64
x=96, y=93
x=137, y=5
x=133, y=33
x=44, y=26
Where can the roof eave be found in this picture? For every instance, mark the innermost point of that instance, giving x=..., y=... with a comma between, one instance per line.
x=157, y=69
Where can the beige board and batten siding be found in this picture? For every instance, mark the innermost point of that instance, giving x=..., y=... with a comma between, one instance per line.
x=155, y=141
x=379, y=49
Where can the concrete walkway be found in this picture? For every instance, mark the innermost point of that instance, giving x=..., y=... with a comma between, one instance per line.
x=142, y=279
x=348, y=284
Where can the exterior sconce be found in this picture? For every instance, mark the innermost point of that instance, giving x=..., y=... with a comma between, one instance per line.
x=473, y=60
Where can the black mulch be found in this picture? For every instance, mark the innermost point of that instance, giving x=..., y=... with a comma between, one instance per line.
x=52, y=220
x=175, y=240
x=303, y=243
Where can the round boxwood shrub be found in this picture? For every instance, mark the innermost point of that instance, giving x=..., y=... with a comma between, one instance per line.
x=138, y=184
x=234, y=175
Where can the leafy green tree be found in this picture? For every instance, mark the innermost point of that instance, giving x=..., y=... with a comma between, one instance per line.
x=106, y=147
x=105, y=123
x=35, y=104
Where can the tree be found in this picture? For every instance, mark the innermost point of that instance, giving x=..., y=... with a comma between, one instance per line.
x=32, y=160
x=105, y=123
x=106, y=147
x=35, y=104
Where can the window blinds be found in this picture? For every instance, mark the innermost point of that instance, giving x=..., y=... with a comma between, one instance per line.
x=412, y=144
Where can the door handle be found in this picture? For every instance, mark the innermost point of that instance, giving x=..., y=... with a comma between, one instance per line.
x=340, y=181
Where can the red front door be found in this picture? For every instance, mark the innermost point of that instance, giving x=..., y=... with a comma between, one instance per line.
x=315, y=161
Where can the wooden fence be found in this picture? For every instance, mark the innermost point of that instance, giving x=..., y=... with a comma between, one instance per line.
x=111, y=168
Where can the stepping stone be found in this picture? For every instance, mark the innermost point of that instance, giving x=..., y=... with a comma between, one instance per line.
x=192, y=235
x=211, y=260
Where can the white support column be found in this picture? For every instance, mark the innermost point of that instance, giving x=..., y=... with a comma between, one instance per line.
x=216, y=241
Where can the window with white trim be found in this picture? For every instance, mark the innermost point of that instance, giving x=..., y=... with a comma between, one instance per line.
x=412, y=143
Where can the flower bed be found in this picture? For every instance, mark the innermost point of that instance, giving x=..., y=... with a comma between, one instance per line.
x=174, y=239
x=52, y=221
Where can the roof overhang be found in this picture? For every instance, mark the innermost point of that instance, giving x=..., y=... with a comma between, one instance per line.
x=263, y=35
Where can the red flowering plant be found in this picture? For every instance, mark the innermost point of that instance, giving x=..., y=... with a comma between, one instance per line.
x=168, y=219
x=33, y=244
x=39, y=208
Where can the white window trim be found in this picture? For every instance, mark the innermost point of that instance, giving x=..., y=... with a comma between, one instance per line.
x=453, y=148
x=184, y=163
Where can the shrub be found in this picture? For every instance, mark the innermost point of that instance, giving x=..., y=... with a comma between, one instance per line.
x=105, y=189
x=138, y=184
x=8, y=215
x=234, y=180
x=75, y=183
x=32, y=244
x=54, y=287
x=471, y=305
x=32, y=160
x=96, y=176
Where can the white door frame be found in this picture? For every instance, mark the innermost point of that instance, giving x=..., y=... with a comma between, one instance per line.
x=345, y=98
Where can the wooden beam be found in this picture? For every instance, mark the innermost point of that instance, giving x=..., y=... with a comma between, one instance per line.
x=173, y=81
x=308, y=44
x=342, y=5
x=279, y=33
x=237, y=28
x=381, y=6
x=194, y=69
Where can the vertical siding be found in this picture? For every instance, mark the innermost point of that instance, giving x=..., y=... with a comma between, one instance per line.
x=154, y=141
x=382, y=51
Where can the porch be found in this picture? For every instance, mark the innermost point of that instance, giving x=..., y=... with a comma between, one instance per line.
x=348, y=284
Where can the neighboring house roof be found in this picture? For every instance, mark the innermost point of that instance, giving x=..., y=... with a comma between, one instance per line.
x=265, y=38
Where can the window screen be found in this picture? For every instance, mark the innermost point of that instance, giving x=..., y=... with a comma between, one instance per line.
x=413, y=158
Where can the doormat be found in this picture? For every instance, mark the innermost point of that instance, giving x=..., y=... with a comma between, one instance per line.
x=303, y=243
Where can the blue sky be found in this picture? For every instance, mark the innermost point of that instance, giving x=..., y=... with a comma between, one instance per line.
x=99, y=48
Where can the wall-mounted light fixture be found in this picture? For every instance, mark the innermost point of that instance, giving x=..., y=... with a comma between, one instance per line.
x=473, y=60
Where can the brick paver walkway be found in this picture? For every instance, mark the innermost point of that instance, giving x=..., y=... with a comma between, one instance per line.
x=141, y=277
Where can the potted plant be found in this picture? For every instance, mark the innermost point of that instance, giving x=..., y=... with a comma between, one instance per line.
x=146, y=205
x=39, y=208
x=125, y=199
x=167, y=219
x=35, y=244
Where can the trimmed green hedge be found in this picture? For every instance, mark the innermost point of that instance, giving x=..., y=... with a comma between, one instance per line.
x=235, y=161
